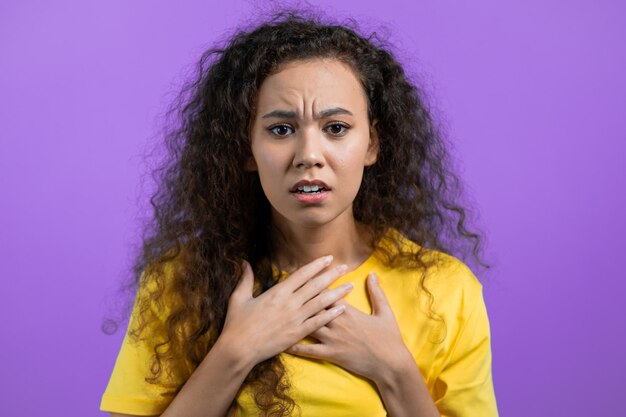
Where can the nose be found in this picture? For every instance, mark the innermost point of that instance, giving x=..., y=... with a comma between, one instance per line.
x=309, y=150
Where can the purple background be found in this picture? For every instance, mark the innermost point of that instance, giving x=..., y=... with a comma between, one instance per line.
x=534, y=97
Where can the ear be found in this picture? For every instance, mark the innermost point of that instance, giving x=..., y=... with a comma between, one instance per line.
x=372, y=150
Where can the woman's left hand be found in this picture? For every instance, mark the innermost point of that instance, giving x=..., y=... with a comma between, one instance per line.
x=364, y=344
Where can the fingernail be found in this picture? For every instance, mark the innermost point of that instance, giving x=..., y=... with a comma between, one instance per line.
x=328, y=259
x=373, y=278
x=339, y=309
x=342, y=267
x=348, y=286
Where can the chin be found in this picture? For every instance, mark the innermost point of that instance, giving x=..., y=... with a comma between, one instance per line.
x=310, y=221
x=309, y=217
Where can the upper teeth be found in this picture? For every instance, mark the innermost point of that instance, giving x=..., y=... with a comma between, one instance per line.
x=308, y=189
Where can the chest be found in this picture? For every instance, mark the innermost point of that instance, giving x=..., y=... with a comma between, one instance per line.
x=322, y=388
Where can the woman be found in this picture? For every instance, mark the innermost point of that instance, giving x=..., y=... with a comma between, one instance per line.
x=304, y=161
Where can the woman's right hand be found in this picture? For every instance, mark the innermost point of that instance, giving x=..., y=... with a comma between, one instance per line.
x=286, y=313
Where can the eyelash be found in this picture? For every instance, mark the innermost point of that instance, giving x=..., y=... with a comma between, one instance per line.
x=345, y=126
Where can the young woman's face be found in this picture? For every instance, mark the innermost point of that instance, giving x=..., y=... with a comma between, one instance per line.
x=311, y=125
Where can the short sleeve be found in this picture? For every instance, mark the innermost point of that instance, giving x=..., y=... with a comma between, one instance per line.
x=127, y=391
x=464, y=388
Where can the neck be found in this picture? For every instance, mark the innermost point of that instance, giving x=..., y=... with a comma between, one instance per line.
x=344, y=238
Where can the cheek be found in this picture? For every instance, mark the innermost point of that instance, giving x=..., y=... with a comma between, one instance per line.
x=266, y=159
x=268, y=167
x=350, y=165
x=349, y=171
x=269, y=161
x=350, y=158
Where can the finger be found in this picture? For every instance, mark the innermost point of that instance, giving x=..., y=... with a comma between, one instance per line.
x=339, y=302
x=322, y=334
x=343, y=303
x=315, y=286
x=325, y=299
x=310, y=350
x=302, y=275
x=246, y=282
x=380, y=304
x=321, y=319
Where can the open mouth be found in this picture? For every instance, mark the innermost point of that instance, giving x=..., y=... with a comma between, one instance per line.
x=312, y=189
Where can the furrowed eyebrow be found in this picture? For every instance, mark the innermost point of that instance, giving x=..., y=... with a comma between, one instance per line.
x=292, y=114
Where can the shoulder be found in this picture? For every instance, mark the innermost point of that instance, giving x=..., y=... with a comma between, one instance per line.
x=451, y=282
x=160, y=277
x=157, y=296
x=451, y=273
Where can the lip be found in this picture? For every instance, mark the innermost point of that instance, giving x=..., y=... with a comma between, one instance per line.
x=311, y=198
x=309, y=182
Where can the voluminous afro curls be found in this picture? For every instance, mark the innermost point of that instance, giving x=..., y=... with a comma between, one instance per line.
x=210, y=214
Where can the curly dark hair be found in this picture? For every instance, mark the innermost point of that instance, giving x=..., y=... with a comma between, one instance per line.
x=210, y=213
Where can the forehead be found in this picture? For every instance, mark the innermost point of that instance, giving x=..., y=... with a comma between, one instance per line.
x=312, y=84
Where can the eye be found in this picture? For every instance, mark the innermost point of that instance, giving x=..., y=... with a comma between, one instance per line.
x=279, y=130
x=337, y=128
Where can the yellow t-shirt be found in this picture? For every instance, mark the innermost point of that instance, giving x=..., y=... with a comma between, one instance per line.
x=457, y=370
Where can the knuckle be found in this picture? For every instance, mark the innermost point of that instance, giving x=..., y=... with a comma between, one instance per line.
x=317, y=322
x=309, y=327
x=333, y=295
x=340, y=292
x=324, y=282
x=323, y=301
x=328, y=315
x=317, y=284
x=312, y=268
x=331, y=277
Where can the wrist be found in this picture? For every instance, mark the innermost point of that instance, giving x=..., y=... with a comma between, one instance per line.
x=393, y=372
x=234, y=354
x=404, y=390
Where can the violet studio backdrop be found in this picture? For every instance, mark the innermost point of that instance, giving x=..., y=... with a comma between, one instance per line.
x=532, y=94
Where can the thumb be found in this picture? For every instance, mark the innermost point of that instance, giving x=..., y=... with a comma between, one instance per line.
x=245, y=285
x=380, y=304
